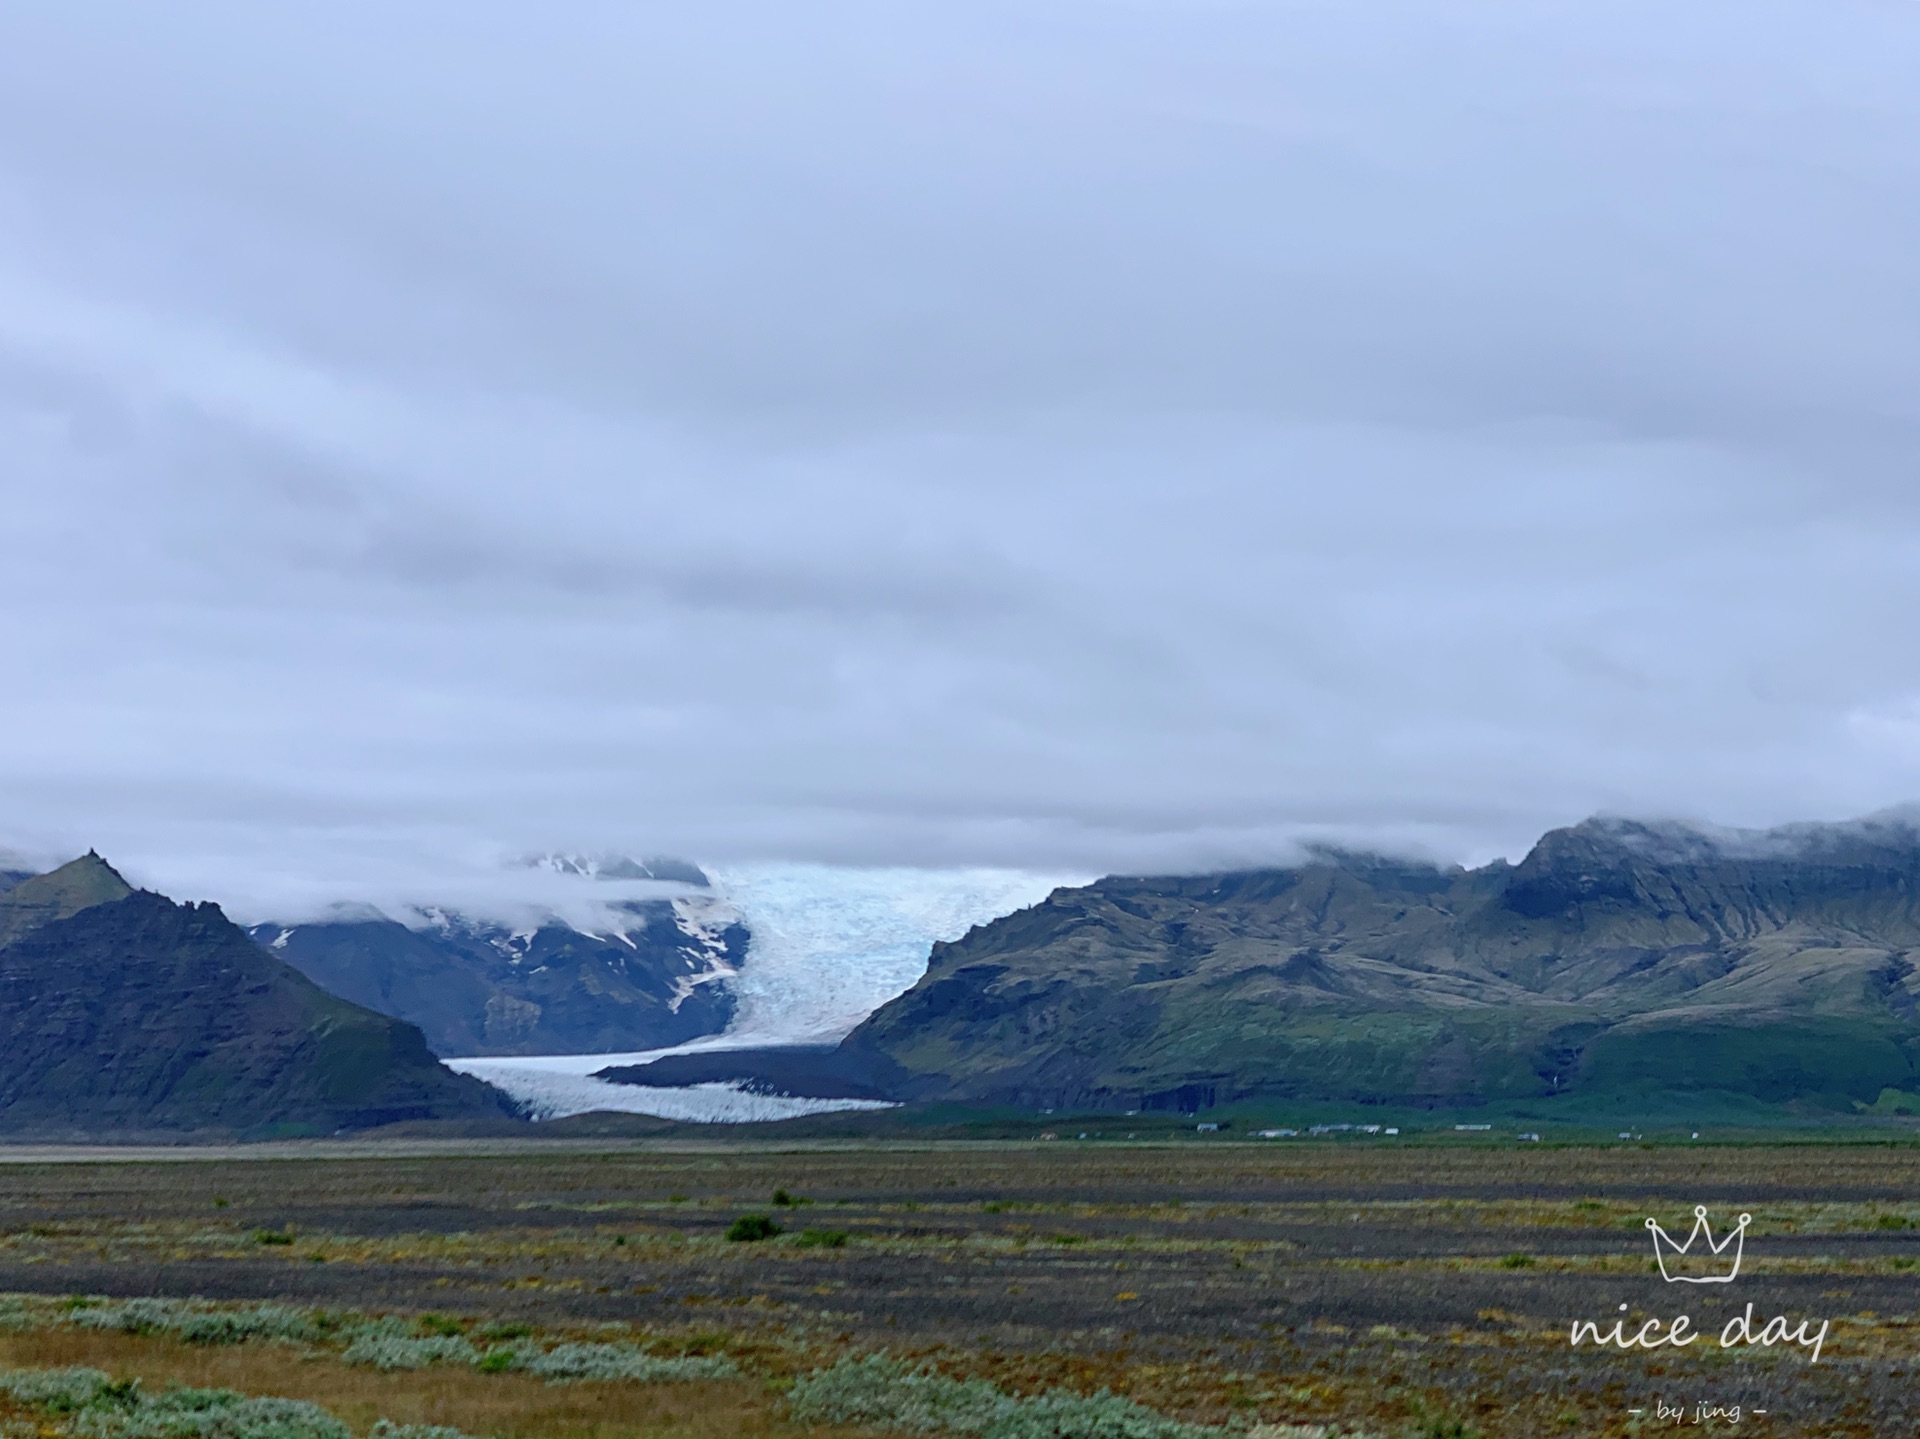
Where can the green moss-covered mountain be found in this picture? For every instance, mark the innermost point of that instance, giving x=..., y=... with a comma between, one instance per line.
x=122, y=1013
x=1616, y=958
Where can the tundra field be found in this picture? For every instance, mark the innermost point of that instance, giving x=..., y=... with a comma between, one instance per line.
x=1189, y=1290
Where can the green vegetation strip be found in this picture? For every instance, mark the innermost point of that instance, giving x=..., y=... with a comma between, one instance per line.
x=562, y=1364
x=393, y=1343
x=97, y=1406
x=199, y=1323
x=875, y=1390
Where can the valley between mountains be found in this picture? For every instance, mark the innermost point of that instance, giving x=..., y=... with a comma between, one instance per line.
x=1619, y=961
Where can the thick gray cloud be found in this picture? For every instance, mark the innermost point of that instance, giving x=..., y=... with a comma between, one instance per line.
x=1072, y=435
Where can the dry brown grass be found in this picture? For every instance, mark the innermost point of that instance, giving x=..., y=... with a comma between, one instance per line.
x=512, y=1405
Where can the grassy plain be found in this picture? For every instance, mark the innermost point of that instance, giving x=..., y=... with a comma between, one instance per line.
x=1424, y=1289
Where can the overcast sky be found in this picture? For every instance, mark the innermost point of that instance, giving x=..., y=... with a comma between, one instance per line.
x=1066, y=435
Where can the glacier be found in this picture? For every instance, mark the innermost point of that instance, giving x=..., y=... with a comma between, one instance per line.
x=830, y=945
x=554, y=1086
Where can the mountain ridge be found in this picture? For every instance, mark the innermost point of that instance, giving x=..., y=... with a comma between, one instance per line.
x=125, y=1014
x=1616, y=954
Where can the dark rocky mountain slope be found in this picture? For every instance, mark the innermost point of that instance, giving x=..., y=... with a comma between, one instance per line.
x=122, y=1013
x=1615, y=958
x=657, y=974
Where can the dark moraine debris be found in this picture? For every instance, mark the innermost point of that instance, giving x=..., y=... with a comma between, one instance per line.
x=797, y=1071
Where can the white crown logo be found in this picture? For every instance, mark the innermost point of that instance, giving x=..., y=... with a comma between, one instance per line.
x=1737, y=1241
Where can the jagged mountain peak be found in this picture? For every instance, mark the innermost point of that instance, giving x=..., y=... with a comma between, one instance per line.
x=621, y=867
x=59, y=894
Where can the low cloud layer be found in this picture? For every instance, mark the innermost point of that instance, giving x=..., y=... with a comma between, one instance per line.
x=1084, y=436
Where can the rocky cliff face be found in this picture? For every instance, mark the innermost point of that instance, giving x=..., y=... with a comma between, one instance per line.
x=122, y=1013
x=656, y=976
x=1614, y=957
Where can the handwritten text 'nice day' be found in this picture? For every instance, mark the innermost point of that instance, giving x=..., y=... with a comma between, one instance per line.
x=1739, y=1330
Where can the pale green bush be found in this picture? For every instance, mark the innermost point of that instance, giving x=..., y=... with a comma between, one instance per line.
x=387, y=1429
x=205, y=1414
x=386, y=1326
x=21, y=1312
x=103, y=1409
x=198, y=1322
x=387, y=1345
x=571, y=1362
x=60, y=1391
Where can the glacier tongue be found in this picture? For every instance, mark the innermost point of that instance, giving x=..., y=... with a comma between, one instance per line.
x=555, y=1086
x=831, y=945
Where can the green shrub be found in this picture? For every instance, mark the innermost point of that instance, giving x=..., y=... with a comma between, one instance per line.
x=751, y=1227
x=58, y=1391
x=440, y=1324
x=387, y=1429
x=882, y=1392
x=272, y=1236
x=20, y=1312
x=1517, y=1261
x=782, y=1199
x=199, y=1322
x=568, y=1363
x=822, y=1239
x=103, y=1409
x=385, y=1326
x=207, y=1414
x=495, y=1361
x=395, y=1351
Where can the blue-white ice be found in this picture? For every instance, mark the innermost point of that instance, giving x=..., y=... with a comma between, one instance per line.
x=830, y=946
x=554, y=1086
